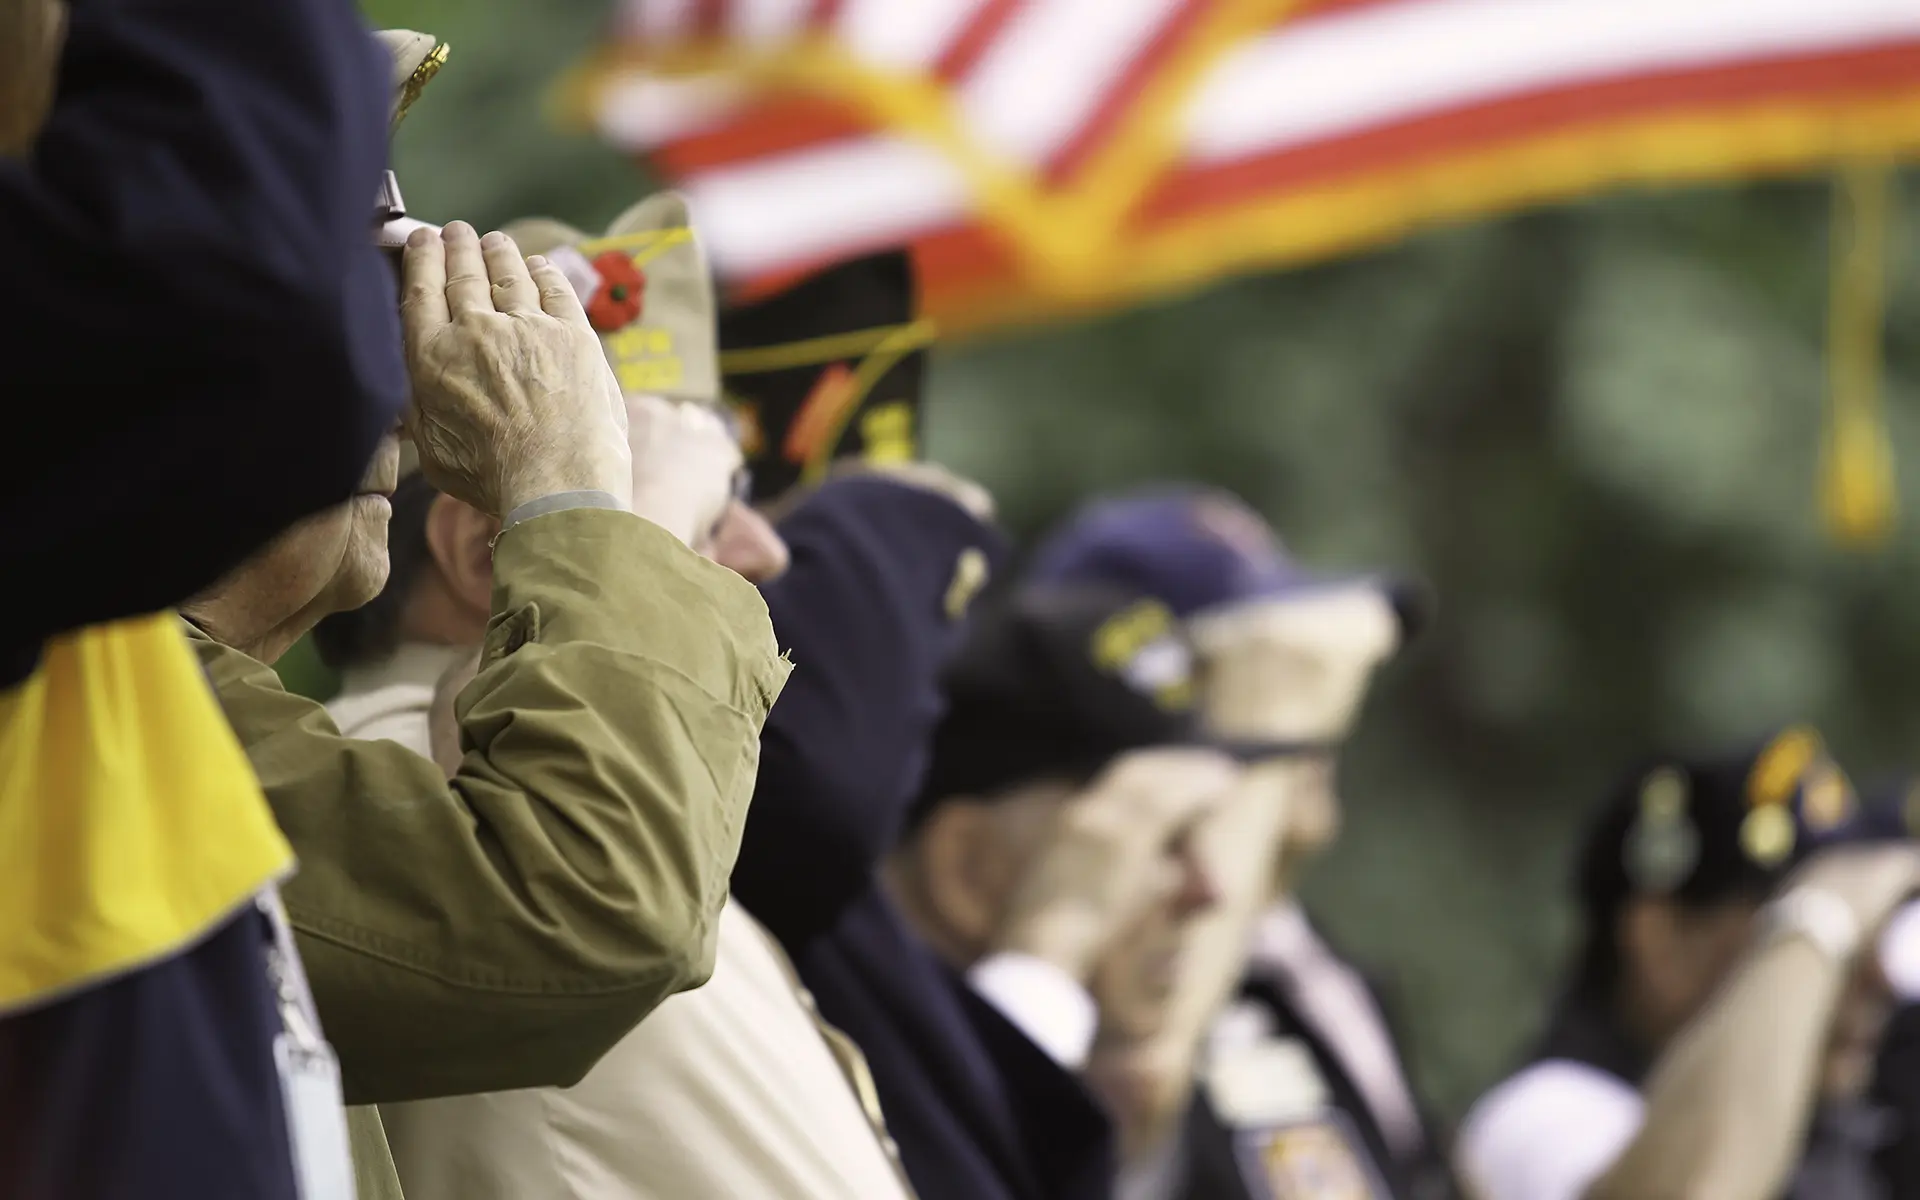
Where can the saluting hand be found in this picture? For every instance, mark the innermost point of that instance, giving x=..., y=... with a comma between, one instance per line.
x=512, y=398
x=1108, y=860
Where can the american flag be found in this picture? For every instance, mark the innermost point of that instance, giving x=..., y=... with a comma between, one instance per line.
x=1046, y=157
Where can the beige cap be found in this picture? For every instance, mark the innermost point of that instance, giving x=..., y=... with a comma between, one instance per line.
x=646, y=290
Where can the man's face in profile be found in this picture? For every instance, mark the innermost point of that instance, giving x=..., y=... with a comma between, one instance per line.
x=337, y=559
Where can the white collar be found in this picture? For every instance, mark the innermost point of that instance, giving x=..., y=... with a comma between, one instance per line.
x=412, y=664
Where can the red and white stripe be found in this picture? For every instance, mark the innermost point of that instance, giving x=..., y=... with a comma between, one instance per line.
x=781, y=183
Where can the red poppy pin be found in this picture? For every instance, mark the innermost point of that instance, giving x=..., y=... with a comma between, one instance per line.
x=617, y=301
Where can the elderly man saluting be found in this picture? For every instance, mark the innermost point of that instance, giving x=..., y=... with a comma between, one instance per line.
x=503, y=928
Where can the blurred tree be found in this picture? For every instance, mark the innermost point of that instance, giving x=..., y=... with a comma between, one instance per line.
x=1594, y=429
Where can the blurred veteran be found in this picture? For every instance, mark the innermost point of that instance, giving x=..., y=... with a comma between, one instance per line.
x=1054, y=825
x=735, y=1089
x=506, y=928
x=826, y=382
x=1723, y=1015
x=1268, y=1064
x=889, y=553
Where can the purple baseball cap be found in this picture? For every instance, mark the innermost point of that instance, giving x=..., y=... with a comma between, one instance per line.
x=1196, y=548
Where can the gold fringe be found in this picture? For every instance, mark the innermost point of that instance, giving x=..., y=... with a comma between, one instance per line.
x=1857, y=494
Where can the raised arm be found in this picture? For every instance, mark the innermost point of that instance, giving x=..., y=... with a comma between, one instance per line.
x=1728, y=1103
x=1725, y=1110
x=504, y=929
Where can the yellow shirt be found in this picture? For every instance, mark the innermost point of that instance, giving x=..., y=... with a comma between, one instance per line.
x=130, y=820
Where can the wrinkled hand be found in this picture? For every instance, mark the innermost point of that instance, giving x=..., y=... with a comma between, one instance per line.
x=1872, y=880
x=512, y=399
x=1106, y=862
x=685, y=460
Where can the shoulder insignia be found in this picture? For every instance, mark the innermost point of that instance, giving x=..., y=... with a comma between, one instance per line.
x=1316, y=1160
x=1270, y=1082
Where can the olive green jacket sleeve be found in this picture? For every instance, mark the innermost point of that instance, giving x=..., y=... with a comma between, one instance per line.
x=505, y=929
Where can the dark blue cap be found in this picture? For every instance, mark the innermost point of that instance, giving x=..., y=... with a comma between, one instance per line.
x=1058, y=681
x=1701, y=829
x=1194, y=548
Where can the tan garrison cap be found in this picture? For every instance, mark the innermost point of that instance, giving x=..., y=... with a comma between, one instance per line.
x=646, y=289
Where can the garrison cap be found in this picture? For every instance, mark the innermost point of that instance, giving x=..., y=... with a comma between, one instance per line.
x=832, y=367
x=1056, y=681
x=646, y=290
x=1707, y=829
x=1197, y=548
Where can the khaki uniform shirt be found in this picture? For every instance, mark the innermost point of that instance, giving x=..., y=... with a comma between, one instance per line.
x=504, y=929
x=732, y=1090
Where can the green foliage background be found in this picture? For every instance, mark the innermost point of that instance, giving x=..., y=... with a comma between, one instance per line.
x=1594, y=429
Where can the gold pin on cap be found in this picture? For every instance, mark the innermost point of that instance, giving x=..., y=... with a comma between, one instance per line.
x=1662, y=846
x=1826, y=798
x=1767, y=835
x=418, y=80
x=647, y=292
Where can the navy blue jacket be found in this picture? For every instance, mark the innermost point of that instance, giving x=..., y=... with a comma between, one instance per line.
x=980, y=1113
x=160, y=1083
x=201, y=343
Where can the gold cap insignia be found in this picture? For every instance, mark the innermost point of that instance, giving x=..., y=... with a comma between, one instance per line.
x=1826, y=798
x=1139, y=644
x=1662, y=847
x=1767, y=835
x=1781, y=766
x=647, y=293
x=413, y=60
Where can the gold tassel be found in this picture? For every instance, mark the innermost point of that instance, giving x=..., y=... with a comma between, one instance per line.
x=1858, y=500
